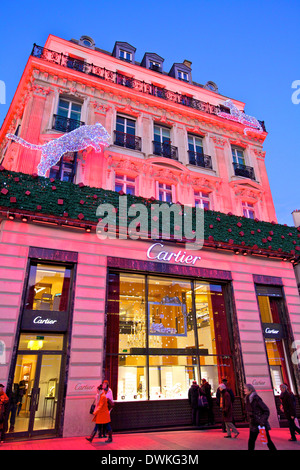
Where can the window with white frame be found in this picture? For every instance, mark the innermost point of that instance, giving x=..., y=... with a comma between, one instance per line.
x=248, y=210
x=183, y=76
x=69, y=109
x=125, y=183
x=124, y=55
x=238, y=155
x=202, y=200
x=165, y=192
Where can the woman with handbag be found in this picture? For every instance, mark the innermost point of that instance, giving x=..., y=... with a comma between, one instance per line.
x=102, y=416
x=258, y=414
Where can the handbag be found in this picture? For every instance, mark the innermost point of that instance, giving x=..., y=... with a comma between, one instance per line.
x=110, y=404
x=92, y=408
x=202, y=401
x=262, y=434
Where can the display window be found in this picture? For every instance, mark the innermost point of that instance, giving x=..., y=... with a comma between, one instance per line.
x=163, y=333
x=48, y=287
x=273, y=316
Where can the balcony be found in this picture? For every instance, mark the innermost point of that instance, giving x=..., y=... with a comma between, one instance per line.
x=199, y=159
x=128, y=141
x=63, y=124
x=165, y=150
x=243, y=170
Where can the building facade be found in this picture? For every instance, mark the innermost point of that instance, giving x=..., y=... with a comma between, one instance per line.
x=150, y=313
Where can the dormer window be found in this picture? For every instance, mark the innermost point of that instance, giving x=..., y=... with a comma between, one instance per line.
x=87, y=42
x=152, y=61
x=183, y=76
x=182, y=72
x=124, y=55
x=154, y=66
x=124, y=51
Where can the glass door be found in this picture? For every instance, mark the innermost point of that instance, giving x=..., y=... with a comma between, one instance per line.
x=35, y=393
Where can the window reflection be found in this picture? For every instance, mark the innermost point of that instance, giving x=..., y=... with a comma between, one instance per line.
x=48, y=288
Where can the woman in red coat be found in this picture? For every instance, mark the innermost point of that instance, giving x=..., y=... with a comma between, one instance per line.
x=102, y=416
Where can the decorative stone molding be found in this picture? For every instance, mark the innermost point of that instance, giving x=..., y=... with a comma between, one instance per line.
x=99, y=107
x=260, y=153
x=219, y=141
x=41, y=90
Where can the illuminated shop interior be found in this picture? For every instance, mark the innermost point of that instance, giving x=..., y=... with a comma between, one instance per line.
x=163, y=333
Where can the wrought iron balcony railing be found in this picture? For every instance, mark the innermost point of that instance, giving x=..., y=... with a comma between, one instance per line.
x=165, y=150
x=64, y=124
x=243, y=170
x=200, y=159
x=128, y=141
x=115, y=77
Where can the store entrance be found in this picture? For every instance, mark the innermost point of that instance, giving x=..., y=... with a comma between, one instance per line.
x=36, y=389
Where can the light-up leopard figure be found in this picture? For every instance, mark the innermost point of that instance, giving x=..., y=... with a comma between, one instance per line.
x=251, y=123
x=95, y=136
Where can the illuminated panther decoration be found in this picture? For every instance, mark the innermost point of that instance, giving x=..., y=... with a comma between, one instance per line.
x=95, y=136
x=250, y=122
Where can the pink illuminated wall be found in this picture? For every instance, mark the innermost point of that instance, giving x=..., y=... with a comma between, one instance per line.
x=36, y=102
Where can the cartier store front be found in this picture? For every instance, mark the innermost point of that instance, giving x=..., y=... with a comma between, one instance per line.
x=39, y=361
x=167, y=325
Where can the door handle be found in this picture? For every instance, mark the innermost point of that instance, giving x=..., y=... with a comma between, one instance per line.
x=37, y=399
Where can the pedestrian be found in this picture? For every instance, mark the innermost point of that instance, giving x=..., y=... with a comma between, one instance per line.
x=102, y=414
x=205, y=390
x=226, y=408
x=289, y=409
x=101, y=428
x=258, y=414
x=225, y=382
x=3, y=401
x=193, y=397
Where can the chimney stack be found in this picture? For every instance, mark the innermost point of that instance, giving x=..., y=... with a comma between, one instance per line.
x=296, y=217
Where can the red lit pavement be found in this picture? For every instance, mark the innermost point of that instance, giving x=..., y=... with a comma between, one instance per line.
x=182, y=441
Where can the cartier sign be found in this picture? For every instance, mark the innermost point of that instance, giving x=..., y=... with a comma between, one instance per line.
x=44, y=320
x=159, y=253
x=272, y=331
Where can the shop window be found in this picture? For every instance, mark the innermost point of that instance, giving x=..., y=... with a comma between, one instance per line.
x=273, y=316
x=157, y=343
x=48, y=288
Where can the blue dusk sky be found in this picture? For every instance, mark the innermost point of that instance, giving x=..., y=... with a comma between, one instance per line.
x=250, y=49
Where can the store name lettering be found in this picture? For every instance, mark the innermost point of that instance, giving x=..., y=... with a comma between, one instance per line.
x=270, y=331
x=81, y=386
x=46, y=321
x=179, y=257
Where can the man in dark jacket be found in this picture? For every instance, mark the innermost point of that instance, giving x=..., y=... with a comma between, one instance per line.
x=289, y=409
x=218, y=396
x=205, y=390
x=226, y=408
x=193, y=396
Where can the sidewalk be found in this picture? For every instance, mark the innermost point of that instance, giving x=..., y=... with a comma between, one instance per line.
x=181, y=441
